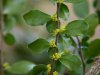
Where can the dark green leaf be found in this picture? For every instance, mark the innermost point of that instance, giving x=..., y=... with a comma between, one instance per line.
x=38, y=69
x=72, y=62
x=94, y=49
x=93, y=21
x=76, y=28
x=51, y=26
x=81, y=9
x=9, y=39
x=38, y=46
x=36, y=17
x=22, y=67
x=15, y=6
x=73, y=1
x=64, y=11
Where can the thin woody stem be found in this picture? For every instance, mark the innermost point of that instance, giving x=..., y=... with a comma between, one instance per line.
x=58, y=22
x=57, y=36
x=81, y=55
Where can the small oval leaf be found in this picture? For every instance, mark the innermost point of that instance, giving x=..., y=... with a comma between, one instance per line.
x=93, y=49
x=81, y=9
x=39, y=46
x=36, y=17
x=9, y=39
x=22, y=67
x=38, y=69
x=77, y=28
x=64, y=11
x=93, y=21
x=51, y=26
x=10, y=22
x=73, y=64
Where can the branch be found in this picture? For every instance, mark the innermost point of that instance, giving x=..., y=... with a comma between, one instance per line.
x=58, y=22
x=81, y=55
x=95, y=69
x=57, y=36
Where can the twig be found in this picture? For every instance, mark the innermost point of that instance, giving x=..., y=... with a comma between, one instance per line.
x=58, y=22
x=57, y=36
x=81, y=55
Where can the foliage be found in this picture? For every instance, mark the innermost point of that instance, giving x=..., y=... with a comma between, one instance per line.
x=57, y=47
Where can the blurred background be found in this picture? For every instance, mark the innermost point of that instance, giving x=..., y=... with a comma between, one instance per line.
x=22, y=34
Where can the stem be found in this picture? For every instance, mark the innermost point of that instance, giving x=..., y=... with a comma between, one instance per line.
x=1, y=37
x=57, y=36
x=81, y=55
x=58, y=22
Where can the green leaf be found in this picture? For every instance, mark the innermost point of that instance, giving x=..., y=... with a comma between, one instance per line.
x=22, y=67
x=72, y=62
x=93, y=49
x=38, y=69
x=15, y=6
x=81, y=9
x=9, y=39
x=39, y=46
x=73, y=1
x=76, y=28
x=93, y=21
x=10, y=22
x=36, y=18
x=64, y=11
x=51, y=26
